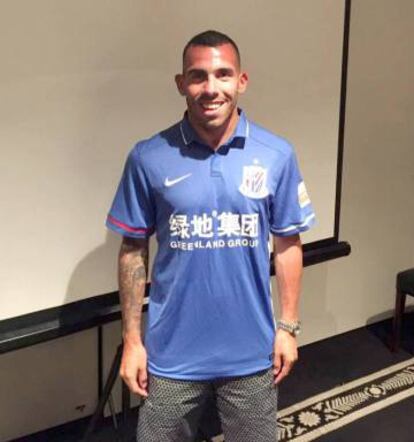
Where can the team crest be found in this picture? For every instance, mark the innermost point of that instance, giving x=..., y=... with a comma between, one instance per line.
x=254, y=182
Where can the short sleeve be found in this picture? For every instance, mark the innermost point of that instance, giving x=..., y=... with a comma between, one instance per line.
x=291, y=211
x=132, y=211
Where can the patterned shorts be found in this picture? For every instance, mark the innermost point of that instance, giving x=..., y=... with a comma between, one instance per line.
x=246, y=407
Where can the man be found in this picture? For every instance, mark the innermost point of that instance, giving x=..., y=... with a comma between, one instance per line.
x=212, y=187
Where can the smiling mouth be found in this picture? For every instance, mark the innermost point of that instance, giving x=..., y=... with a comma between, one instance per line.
x=211, y=106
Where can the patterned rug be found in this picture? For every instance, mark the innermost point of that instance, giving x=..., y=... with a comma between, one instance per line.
x=326, y=412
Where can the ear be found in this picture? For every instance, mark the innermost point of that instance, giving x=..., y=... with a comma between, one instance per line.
x=179, y=81
x=243, y=81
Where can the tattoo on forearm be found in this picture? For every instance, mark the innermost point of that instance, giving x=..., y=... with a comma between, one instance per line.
x=133, y=264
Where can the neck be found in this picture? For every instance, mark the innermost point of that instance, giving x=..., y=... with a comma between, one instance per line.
x=216, y=137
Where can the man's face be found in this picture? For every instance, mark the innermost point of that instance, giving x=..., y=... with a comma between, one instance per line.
x=211, y=82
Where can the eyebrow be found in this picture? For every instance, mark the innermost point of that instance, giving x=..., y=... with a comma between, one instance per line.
x=227, y=70
x=196, y=71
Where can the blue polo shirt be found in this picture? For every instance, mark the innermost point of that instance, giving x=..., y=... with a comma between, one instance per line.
x=210, y=309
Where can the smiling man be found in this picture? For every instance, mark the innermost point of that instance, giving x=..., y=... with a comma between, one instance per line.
x=213, y=188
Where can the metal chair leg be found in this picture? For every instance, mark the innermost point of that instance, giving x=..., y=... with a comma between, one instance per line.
x=126, y=405
x=113, y=374
x=113, y=411
x=397, y=322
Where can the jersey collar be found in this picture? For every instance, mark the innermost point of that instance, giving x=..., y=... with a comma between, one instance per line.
x=238, y=138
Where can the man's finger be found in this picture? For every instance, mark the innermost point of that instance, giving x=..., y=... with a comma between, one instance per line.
x=277, y=363
x=287, y=366
x=143, y=382
x=282, y=374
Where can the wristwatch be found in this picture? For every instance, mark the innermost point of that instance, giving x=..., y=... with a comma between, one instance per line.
x=294, y=328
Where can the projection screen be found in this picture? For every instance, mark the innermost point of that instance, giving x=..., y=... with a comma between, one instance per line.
x=82, y=81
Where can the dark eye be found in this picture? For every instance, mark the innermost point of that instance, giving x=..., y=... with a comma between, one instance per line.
x=197, y=76
x=224, y=73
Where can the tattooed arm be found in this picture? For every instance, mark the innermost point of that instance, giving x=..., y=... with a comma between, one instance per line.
x=132, y=266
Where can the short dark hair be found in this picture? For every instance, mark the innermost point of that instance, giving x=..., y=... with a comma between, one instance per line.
x=211, y=39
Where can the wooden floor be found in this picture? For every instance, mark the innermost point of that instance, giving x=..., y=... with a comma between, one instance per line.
x=323, y=365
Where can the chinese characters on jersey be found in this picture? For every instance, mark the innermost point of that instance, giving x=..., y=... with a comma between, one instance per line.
x=215, y=230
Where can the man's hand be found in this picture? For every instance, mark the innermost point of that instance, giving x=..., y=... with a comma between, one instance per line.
x=285, y=354
x=134, y=368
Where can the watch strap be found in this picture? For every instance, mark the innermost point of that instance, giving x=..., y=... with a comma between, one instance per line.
x=293, y=328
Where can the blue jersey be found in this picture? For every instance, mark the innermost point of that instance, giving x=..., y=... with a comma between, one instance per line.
x=210, y=309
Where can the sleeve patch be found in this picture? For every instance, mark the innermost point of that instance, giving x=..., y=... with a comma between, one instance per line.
x=303, y=196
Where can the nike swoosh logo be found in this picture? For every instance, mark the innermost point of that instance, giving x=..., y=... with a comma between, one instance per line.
x=170, y=183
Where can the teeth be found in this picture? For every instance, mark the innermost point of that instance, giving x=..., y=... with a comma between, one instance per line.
x=211, y=106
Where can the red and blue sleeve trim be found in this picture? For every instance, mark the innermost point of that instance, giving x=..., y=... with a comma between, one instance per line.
x=127, y=228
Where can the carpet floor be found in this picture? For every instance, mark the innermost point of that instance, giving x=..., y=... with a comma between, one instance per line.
x=325, y=367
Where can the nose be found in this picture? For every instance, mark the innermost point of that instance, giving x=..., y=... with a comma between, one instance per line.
x=210, y=85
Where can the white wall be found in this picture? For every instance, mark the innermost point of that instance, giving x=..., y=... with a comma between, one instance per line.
x=45, y=384
x=378, y=181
